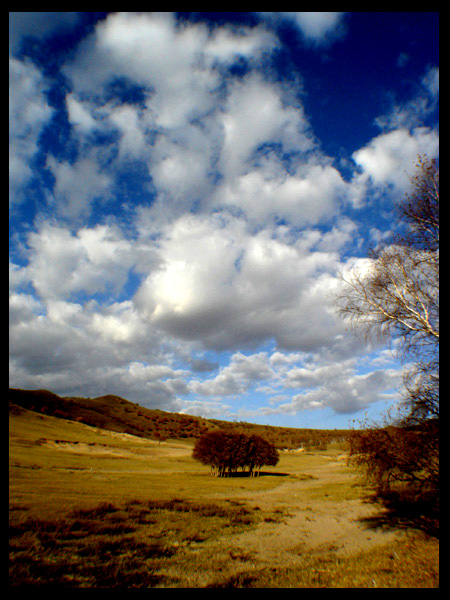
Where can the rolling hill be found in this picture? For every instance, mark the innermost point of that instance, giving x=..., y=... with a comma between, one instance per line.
x=117, y=414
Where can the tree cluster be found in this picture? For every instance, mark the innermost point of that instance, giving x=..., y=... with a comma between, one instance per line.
x=226, y=452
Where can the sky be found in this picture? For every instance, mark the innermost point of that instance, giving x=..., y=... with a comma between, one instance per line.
x=186, y=188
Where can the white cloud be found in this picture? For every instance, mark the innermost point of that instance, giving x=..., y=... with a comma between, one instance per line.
x=430, y=81
x=205, y=264
x=317, y=27
x=268, y=193
x=415, y=111
x=78, y=185
x=94, y=260
x=389, y=158
x=191, y=117
x=79, y=115
x=88, y=349
x=180, y=165
x=223, y=286
x=255, y=114
x=338, y=387
x=29, y=112
x=237, y=377
x=176, y=63
x=293, y=383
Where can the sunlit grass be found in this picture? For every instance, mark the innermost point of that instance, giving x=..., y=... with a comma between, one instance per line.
x=90, y=508
x=413, y=563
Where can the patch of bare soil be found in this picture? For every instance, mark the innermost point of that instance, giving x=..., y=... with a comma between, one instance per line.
x=85, y=448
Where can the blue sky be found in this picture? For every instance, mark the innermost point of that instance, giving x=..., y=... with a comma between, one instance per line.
x=185, y=189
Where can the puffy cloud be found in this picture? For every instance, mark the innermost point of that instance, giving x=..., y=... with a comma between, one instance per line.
x=180, y=166
x=317, y=28
x=175, y=62
x=388, y=159
x=89, y=350
x=80, y=116
x=78, y=185
x=192, y=124
x=219, y=284
x=255, y=114
x=237, y=377
x=91, y=261
x=270, y=193
x=29, y=112
x=232, y=243
x=338, y=386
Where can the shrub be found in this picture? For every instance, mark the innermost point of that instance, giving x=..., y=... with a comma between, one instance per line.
x=392, y=455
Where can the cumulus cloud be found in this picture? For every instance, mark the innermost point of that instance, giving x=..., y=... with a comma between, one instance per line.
x=78, y=185
x=389, y=159
x=93, y=260
x=29, y=112
x=232, y=243
x=317, y=28
x=175, y=63
x=255, y=114
x=265, y=287
x=237, y=377
x=337, y=386
x=89, y=350
x=268, y=193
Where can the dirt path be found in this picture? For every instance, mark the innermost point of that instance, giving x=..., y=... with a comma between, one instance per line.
x=323, y=527
x=315, y=523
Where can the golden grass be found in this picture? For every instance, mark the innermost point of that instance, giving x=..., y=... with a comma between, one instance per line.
x=90, y=508
x=412, y=563
x=115, y=546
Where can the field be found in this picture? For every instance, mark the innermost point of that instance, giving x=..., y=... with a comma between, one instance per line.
x=97, y=508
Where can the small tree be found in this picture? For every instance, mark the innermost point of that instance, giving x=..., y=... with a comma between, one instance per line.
x=260, y=453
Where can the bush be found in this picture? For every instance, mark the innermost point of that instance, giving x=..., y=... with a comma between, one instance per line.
x=393, y=456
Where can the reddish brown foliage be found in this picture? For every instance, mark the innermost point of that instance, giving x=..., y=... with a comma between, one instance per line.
x=226, y=452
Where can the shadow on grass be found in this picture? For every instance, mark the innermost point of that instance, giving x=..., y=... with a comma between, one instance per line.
x=398, y=512
x=261, y=474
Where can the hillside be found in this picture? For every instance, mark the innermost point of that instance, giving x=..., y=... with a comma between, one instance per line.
x=117, y=414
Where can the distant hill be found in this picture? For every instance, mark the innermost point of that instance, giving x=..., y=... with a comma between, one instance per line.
x=117, y=414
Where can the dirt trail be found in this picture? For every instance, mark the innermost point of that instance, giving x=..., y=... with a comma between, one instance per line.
x=315, y=524
x=322, y=526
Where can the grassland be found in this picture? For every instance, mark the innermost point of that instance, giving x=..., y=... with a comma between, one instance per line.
x=97, y=508
x=117, y=414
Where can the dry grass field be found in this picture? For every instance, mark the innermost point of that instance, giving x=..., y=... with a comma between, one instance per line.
x=97, y=508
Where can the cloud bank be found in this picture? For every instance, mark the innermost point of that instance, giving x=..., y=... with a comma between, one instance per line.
x=192, y=228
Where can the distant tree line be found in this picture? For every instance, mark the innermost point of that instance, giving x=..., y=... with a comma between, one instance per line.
x=226, y=452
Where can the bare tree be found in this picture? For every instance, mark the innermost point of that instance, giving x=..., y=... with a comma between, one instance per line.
x=395, y=293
